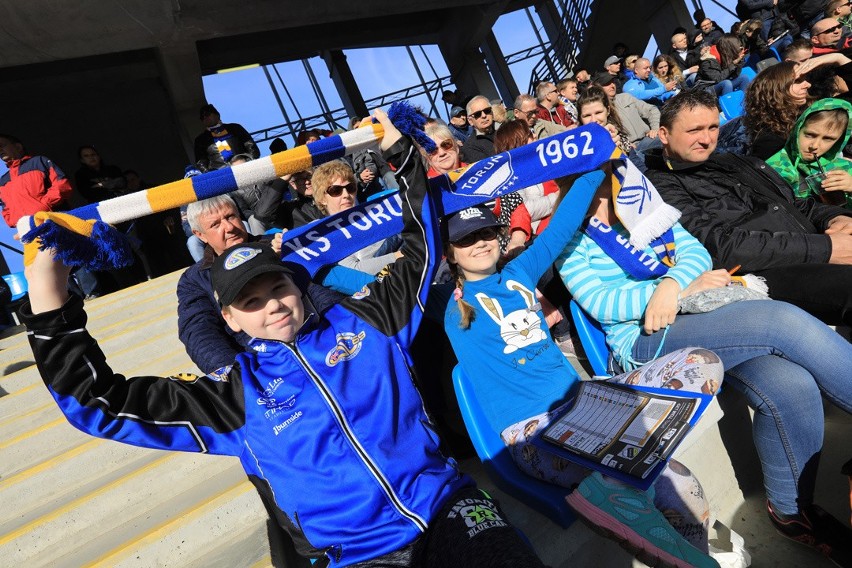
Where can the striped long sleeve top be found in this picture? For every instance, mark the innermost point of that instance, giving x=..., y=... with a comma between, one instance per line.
x=613, y=297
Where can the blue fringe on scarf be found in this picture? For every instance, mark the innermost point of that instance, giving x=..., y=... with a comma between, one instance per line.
x=410, y=122
x=105, y=249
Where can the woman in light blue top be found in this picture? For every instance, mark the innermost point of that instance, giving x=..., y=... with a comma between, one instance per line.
x=781, y=358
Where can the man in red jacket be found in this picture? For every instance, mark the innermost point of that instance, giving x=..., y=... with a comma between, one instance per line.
x=32, y=184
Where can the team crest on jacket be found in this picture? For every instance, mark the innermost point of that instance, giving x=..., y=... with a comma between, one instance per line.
x=347, y=347
x=240, y=256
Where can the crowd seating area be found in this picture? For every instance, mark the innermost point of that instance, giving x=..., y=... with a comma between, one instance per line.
x=765, y=74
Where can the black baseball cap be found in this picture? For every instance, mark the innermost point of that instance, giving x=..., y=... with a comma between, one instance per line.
x=235, y=267
x=462, y=223
x=603, y=78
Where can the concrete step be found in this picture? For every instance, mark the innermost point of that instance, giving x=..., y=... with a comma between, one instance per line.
x=114, y=506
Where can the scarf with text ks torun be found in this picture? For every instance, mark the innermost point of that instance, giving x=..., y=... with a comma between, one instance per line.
x=333, y=238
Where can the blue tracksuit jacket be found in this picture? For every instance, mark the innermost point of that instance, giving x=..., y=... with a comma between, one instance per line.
x=330, y=425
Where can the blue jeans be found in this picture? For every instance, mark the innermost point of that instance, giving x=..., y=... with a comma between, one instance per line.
x=781, y=359
x=740, y=83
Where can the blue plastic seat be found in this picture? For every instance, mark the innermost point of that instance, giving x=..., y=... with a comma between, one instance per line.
x=750, y=72
x=546, y=498
x=775, y=53
x=17, y=284
x=732, y=104
x=592, y=338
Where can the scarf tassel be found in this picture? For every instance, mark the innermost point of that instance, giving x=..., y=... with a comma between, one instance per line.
x=106, y=248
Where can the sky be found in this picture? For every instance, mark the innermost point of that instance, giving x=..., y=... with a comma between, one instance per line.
x=246, y=97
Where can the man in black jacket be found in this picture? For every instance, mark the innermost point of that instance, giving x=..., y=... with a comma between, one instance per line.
x=480, y=144
x=747, y=216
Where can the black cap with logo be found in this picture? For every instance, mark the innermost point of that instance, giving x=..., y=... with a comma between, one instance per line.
x=235, y=267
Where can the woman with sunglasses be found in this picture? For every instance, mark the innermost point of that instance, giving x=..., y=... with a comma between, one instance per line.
x=496, y=327
x=445, y=157
x=334, y=190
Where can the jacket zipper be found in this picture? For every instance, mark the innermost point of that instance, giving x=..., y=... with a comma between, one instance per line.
x=362, y=452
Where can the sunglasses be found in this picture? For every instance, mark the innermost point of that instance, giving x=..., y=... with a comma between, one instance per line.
x=830, y=30
x=336, y=190
x=486, y=111
x=445, y=145
x=486, y=234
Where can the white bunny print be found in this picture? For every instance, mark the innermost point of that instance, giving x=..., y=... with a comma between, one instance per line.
x=520, y=328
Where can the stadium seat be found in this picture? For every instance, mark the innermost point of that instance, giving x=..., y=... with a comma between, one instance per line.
x=593, y=339
x=17, y=284
x=547, y=499
x=732, y=104
x=751, y=72
x=775, y=53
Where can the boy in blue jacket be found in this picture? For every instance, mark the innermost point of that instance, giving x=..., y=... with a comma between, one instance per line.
x=322, y=412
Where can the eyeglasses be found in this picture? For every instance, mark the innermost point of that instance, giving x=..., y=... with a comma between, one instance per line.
x=445, y=145
x=486, y=111
x=526, y=113
x=336, y=190
x=830, y=30
x=486, y=234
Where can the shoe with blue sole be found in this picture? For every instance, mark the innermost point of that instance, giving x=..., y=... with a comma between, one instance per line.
x=628, y=516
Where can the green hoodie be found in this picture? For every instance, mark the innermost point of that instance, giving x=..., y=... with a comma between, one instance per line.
x=789, y=164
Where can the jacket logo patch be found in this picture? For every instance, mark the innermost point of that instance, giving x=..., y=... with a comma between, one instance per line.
x=240, y=256
x=348, y=346
x=361, y=294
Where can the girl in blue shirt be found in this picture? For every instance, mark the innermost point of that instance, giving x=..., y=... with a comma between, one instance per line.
x=497, y=330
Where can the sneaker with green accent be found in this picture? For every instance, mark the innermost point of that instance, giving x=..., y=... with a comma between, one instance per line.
x=628, y=516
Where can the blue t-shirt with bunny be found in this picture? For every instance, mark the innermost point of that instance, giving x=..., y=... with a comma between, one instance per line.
x=516, y=369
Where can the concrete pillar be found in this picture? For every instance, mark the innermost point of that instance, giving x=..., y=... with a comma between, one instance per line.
x=465, y=31
x=343, y=79
x=181, y=73
x=663, y=16
x=499, y=69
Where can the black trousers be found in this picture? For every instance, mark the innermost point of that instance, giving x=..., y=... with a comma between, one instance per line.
x=822, y=290
x=470, y=531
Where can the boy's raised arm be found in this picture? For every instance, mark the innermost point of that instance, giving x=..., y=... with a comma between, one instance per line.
x=396, y=303
x=203, y=415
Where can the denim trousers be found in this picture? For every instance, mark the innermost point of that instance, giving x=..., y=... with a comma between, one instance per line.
x=740, y=83
x=782, y=359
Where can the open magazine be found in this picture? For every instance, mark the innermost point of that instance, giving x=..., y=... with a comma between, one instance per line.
x=627, y=432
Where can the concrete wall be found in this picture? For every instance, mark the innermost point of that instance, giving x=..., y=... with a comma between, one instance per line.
x=118, y=103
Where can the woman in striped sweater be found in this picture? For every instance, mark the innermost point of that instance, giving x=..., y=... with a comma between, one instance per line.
x=781, y=358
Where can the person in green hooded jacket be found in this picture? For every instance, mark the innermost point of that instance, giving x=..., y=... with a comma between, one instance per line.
x=812, y=160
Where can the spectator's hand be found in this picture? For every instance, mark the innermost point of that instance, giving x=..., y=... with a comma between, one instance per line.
x=820, y=60
x=837, y=180
x=671, y=85
x=391, y=133
x=691, y=70
x=275, y=243
x=516, y=244
x=613, y=132
x=652, y=134
x=840, y=225
x=366, y=176
x=47, y=281
x=707, y=281
x=662, y=307
x=841, y=248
